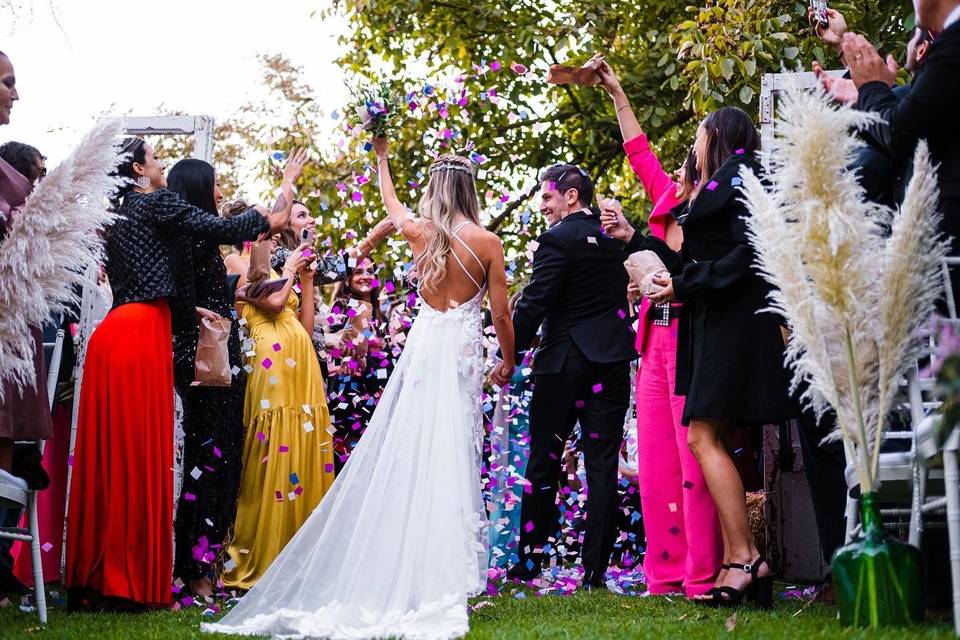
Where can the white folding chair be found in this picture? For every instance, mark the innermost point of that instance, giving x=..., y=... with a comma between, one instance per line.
x=18, y=496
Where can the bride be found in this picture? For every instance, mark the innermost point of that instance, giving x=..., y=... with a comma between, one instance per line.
x=399, y=542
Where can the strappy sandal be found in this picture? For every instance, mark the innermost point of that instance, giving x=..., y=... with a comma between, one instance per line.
x=759, y=591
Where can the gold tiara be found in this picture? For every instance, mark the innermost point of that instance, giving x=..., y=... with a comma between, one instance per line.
x=450, y=166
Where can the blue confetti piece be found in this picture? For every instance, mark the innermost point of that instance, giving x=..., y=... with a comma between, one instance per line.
x=367, y=146
x=279, y=155
x=335, y=115
x=736, y=181
x=294, y=479
x=323, y=205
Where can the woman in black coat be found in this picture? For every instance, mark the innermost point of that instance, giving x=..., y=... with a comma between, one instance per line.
x=730, y=364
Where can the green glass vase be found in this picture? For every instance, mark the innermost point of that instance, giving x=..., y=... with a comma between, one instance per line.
x=876, y=578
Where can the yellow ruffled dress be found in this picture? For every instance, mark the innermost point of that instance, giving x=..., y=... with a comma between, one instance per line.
x=288, y=450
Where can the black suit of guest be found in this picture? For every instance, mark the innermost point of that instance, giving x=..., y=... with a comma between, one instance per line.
x=928, y=112
x=581, y=372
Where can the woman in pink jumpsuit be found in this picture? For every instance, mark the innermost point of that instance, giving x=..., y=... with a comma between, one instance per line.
x=684, y=545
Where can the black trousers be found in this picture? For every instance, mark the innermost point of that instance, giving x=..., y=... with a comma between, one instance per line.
x=824, y=466
x=598, y=396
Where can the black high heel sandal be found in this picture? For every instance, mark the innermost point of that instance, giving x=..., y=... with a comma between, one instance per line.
x=715, y=590
x=759, y=591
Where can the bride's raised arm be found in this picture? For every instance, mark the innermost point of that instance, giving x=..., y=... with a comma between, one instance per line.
x=396, y=210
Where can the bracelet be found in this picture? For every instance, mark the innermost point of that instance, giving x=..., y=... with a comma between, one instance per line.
x=626, y=106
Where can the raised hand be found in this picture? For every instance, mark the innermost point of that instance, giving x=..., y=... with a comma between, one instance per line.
x=842, y=90
x=381, y=147
x=296, y=162
x=832, y=33
x=613, y=221
x=866, y=64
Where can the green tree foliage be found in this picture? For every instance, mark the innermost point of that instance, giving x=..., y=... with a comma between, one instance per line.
x=473, y=79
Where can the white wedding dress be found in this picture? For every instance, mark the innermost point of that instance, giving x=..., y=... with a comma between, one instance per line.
x=399, y=542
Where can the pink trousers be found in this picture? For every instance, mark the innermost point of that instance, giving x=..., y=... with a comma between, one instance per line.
x=684, y=543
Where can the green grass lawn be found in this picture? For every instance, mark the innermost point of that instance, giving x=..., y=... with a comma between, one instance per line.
x=584, y=615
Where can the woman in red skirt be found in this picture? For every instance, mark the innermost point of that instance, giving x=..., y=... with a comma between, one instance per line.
x=120, y=520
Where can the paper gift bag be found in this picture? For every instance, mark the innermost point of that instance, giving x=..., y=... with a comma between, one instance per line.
x=259, y=268
x=584, y=76
x=212, y=364
x=642, y=266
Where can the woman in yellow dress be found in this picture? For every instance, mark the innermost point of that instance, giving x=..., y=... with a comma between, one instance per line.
x=288, y=452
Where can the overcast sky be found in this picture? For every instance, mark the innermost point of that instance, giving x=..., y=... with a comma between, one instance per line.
x=78, y=59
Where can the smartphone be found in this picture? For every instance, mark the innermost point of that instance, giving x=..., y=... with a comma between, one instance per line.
x=308, y=236
x=819, y=16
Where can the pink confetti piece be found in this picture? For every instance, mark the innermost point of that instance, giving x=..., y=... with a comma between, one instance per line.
x=46, y=546
x=298, y=490
x=357, y=196
x=495, y=65
x=278, y=496
x=518, y=68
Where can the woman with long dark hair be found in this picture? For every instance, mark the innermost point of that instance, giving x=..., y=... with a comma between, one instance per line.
x=212, y=416
x=729, y=355
x=119, y=551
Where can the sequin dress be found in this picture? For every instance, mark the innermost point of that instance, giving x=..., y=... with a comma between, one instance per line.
x=213, y=429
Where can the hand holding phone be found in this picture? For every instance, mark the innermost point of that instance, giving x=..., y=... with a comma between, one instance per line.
x=818, y=14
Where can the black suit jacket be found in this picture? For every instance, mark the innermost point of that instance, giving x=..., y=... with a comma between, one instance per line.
x=927, y=112
x=578, y=293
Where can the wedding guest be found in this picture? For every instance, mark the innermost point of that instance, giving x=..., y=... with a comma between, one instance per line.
x=24, y=413
x=212, y=416
x=26, y=159
x=287, y=453
x=729, y=356
x=684, y=545
x=359, y=365
x=926, y=112
x=119, y=551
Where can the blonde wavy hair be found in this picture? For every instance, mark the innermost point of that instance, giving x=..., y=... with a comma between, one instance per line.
x=451, y=190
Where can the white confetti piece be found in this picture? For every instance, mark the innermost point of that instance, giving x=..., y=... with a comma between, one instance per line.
x=308, y=426
x=264, y=404
x=291, y=363
x=591, y=240
x=307, y=410
x=196, y=473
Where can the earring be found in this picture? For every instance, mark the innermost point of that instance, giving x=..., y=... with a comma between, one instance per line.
x=143, y=182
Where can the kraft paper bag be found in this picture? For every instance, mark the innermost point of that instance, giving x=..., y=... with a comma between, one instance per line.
x=259, y=268
x=212, y=364
x=642, y=266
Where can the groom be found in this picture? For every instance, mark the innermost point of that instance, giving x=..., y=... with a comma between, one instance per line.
x=580, y=371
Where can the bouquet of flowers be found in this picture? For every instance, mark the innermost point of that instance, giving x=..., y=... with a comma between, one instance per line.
x=376, y=108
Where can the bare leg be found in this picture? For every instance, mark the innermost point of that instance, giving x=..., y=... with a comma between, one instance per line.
x=706, y=442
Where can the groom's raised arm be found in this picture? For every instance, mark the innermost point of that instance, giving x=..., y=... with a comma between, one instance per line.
x=541, y=294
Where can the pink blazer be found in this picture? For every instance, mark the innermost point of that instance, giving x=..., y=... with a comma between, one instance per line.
x=662, y=191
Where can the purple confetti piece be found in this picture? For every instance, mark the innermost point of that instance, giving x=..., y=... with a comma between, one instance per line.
x=276, y=346
x=597, y=388
x=217, y=453
x=189, y=497
x=740, y=152
x=712, y=185
x=283, y=448
x=267, y=363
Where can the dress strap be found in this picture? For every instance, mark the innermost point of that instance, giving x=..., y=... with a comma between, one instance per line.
x=471, y=251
